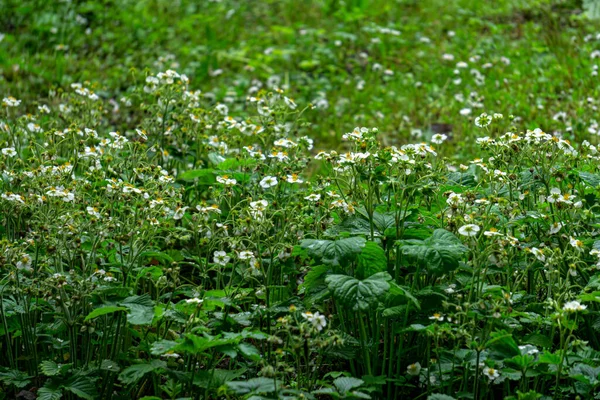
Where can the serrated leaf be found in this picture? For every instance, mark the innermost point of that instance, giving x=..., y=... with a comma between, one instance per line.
x=109, y=365
x=136, y=372
x=371, y=260
x=15, y=377
x=503, y=344
x=83, y=387
x=50, y=368
x=46, y=393
x=140, y=309
x=359, y=295
x=104, y=311
x=440, y=253
x=254, y=386
x=334, y=252
x=345, y=383
x=440, y=396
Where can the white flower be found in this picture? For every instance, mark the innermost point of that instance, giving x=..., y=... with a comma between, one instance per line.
x=437, y=317
x=574, y=306
x=25, y=262
x=414, y=369
x=313, y=197
x=93, y=212
x=221, y=258
x=268, y=182
x=555, y=227
x=9, y=152
x=576, y=243
x=469, y=230
x=194, y=300
x=245, y=255
x=491, y=373
x=538, y=254
x=439, y=138
x=10, y=102
x=293, y=178
x=465, y=111
x=226, y=180
x=317, y=320
x=483, y=120
x=179, y=212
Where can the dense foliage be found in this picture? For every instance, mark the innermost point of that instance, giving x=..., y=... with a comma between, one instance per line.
x=187, y=211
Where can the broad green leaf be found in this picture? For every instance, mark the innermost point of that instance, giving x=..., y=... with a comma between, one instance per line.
x=592, y=8
x=204, y=176
x=136, y=372
x=50, y=368
x=344, y=384
x=141, y=309
x=162, y=346
x=46, y=393
x=254, y=386
x=359, y=295
x=15, y=378
x=503, y=344
x=109, y=365
x=371, y=260
x=334, y=252
x=314, y=278
x=104, y=311
x=216, y=377
x=439, y=253
x=83, y=387
x=440, y=396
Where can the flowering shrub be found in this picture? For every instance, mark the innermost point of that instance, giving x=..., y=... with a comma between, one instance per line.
x=188, y=231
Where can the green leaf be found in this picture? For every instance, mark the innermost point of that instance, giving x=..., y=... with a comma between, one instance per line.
x=344, y=384
x=204, y=176
x=334, y=252
x=503, y=344
x=82, y=387
x=15, y=377
x=371, y=260
x=440, y=396
x=217, y=377
x=314, y=278
x=592, y=180
x=254, y=386
x=50, y=368
x=136, y=372
x=109, y=365
x=162, y=346
x=440, y=253
x=359, y=295
x=47, y=393
x=104, y=311
x=141, y=309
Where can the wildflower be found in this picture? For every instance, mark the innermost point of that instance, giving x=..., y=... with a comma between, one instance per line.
x=226, y=180
x=194, y=300
x=221, y=258
x=574, y=306
x=439, y=138
x=555, y=227
x=491, y=373
x=437, y=317
x=245, y=255
x=9, y=152
x=317, y=320
x=294, y=179
x=93, y=212
x=10, y=102
x=538, y=254
x=492, y=232
x=414, y=369
x=179, y=212
x=483, y=120
x=577, y=244
x=469, y=230
x=268, y=182
x=25, y=262
x=313, y=197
